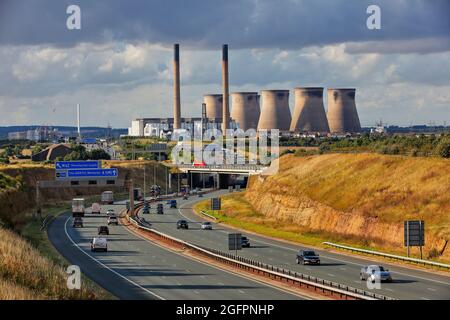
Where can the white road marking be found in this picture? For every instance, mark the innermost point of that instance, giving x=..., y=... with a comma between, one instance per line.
x=389, y=289
x=105, y=266
x=241, y=291
x=331, y=275
x=431, y=289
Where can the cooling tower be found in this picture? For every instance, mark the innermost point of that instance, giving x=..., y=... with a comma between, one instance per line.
x=225, y=103
x=309, y=113
x=245, y=109
x=213, y=106
x=275, y=112
x=342, y=115
x=176, y=87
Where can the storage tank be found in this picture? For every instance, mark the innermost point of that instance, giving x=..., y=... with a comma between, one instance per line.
x=342, y=114
x=309, y=113
x=245, y=109
x=275, y=112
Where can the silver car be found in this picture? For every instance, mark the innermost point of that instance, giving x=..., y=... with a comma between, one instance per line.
x=206, y=225
x=377, y=272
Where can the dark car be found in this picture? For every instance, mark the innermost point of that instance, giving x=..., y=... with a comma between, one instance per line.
x=173, y=203
x=182, y=224
x=307, y=256
x=245, y=242
x=146, y=210
x=103, y=230
x=160, y=208
x=77, y=222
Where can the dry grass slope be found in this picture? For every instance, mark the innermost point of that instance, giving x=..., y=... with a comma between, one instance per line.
x=25, y=273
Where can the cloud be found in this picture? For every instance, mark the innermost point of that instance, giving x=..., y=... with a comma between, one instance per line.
x=204, y=24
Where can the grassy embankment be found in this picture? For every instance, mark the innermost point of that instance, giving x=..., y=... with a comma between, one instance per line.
x=361, y=200
x=30, y=267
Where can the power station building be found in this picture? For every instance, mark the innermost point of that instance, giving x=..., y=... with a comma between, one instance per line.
x=342, y=114
x=275, y=112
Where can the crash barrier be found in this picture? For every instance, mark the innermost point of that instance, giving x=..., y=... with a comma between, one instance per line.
x=46, y=221
x=390, y=256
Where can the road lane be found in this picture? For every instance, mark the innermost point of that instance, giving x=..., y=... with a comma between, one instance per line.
x=407, y=284
x=134, y=268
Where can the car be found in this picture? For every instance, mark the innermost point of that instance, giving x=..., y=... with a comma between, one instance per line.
x=200, y=195
x=245, y=242
x=173, y=203
x=103, y=230
x=110, y=212
x=77, y=222
x=146, y=210
x=99, y=244
x=377, y=272
x=113, y=220
x=185, y=197
x=159, y=208
x=182, y=224
x=206, y=225
x=307, y=257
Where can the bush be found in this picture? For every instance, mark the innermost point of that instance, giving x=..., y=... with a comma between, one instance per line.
x=443, y=149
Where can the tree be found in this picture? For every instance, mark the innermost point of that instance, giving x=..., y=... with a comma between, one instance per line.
x=99, y=154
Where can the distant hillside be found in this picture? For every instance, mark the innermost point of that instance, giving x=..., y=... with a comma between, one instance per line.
x=90, y=132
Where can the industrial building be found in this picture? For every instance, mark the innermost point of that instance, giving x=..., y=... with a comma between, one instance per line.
x=342, y=114
x=275, y=112
x=245, y=109
x=309, y=113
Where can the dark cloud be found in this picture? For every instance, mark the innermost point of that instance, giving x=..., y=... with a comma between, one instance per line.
x=287, y=24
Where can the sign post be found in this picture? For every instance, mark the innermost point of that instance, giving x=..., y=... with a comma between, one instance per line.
x=235, y=242
x=216, y=204
x=414, y=235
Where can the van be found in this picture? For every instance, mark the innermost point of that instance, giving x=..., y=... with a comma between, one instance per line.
x=96, y=208
x=99, y=244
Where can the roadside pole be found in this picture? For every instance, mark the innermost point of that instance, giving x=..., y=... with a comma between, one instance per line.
x=130, y=213
x=38, y=200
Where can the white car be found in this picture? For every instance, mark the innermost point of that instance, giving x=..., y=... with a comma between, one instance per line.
x=110, y=212
x=99, y=244
x=207, y=225
x=113, y=220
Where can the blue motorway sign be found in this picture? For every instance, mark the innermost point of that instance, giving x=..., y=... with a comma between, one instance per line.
x=63, y=165
x=93, y=173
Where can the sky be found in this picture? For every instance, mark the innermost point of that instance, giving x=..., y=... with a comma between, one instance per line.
x=118, y=66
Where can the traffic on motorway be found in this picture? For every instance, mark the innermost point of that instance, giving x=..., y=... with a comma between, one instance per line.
x=175, y=217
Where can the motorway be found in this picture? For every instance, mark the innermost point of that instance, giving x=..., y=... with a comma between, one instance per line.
x=408, y=283
x=135, y=268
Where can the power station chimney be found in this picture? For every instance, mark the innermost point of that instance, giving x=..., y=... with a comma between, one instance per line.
x=176, y=89
x=342, y=114
x=78, y=121
x=309, y=113
x=245, y=109
x=275, y=112
x=225, y=102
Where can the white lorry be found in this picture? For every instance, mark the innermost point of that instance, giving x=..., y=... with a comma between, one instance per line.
x=96, y=209
x=78, y=207
x=107, y=197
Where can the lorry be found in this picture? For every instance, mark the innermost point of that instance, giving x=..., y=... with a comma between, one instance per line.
x=96, y=209
x=107, y=197
x=78, y=207
x=137, y=194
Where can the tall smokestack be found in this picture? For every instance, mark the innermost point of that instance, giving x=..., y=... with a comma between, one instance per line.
x=176, y=88
x=78, y=121
x=225, y=102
